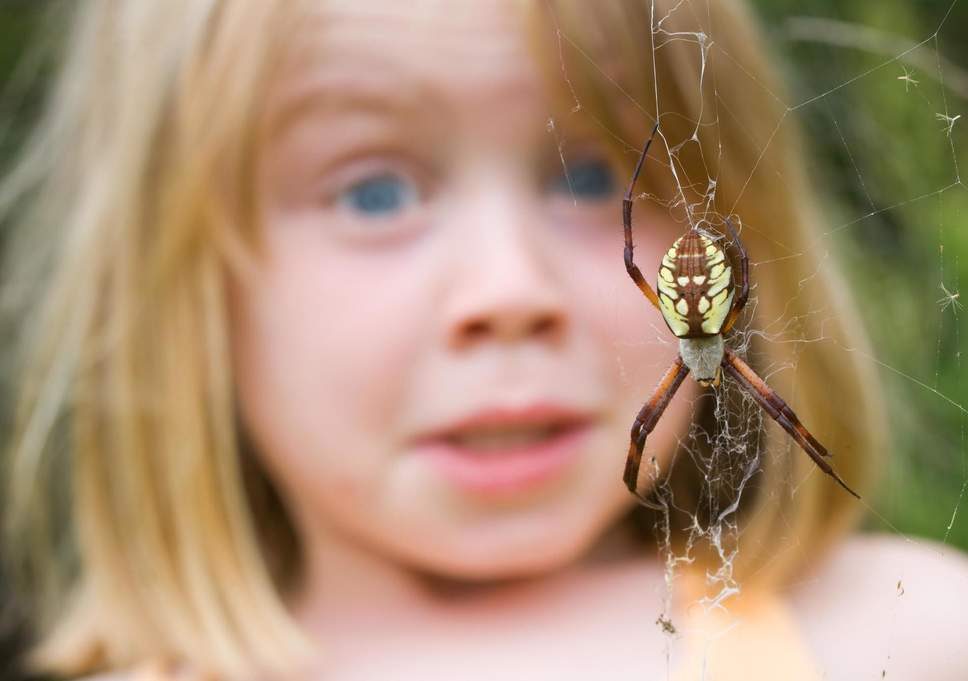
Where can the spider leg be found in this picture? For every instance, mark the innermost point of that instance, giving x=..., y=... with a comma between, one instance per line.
x=774, y=405
x=630, y=265
x=744, y=280
x=647, y=419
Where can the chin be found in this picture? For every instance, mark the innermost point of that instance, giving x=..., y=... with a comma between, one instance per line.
x=504, y=568
x=501, y=554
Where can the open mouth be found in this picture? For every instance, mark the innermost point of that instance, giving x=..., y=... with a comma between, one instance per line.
x=491, y=439
x=501, y=452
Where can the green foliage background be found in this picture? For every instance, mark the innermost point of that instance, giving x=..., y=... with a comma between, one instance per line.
x=890, y=174
x=898, y=211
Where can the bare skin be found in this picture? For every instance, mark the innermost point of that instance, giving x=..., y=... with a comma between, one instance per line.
x=887, y=605
x=854, y=619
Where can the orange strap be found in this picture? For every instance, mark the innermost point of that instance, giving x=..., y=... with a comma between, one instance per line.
x=752, y=637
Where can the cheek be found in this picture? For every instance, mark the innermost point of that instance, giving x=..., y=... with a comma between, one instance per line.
x=320, y=348
x=634, y=343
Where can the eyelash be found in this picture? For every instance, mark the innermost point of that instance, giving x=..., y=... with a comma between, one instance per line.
x=381, y=191
x=379, y=195
x=374, y=188
x=589, y=179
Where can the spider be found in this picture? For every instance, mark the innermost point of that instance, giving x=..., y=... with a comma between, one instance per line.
x=698, y=300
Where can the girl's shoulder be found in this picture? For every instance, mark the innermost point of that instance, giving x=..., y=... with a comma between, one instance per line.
x=888, y=603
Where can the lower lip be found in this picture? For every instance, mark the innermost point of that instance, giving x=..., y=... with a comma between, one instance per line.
x=496, y=471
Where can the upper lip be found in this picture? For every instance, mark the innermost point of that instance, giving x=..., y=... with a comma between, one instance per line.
x=539, y=414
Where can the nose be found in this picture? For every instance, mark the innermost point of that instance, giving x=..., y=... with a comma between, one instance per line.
x=507, y=284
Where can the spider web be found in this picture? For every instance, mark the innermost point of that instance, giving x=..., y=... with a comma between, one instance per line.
x=884, y=117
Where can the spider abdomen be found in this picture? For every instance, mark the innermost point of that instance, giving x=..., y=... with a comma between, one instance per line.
x=695, y=286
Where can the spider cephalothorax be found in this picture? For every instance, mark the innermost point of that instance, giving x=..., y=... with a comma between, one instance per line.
x=700, y=302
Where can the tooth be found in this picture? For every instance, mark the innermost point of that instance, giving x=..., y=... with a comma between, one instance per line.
x=498, y=439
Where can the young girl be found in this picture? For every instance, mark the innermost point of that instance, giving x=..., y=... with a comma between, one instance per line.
x=329, y=357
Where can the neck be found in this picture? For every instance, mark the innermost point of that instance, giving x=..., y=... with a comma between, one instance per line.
x=347, y=582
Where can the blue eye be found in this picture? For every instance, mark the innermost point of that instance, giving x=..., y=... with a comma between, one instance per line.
x=379, y=196
x=590, y=180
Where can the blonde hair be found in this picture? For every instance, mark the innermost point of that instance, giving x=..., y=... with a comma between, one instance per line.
x=130, y=495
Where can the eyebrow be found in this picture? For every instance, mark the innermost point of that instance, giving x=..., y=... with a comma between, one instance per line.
x=336, y=92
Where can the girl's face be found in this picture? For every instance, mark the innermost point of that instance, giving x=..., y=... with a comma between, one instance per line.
x=442, y=356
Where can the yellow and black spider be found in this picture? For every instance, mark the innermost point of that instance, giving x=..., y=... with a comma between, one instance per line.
x=697, y=298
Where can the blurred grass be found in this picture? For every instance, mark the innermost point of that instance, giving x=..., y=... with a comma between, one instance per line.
x=25, y=67
x=898, y=220
x=880, y=154
x=22, y=80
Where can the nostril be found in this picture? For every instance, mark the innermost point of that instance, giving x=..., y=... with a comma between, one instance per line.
x=544, y=326
x=476, y=329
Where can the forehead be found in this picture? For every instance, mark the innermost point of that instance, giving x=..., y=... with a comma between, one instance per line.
x=430, y=52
